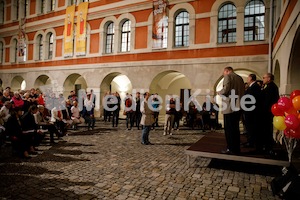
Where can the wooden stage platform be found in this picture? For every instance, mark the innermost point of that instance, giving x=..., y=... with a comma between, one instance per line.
x=211, y=145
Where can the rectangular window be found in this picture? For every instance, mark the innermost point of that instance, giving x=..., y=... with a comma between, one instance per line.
x=1, y=52
x=52, y=5
x=1, y=12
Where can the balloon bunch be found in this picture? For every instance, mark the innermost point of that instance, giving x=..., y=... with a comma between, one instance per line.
x=286, y=115
x=287, y=119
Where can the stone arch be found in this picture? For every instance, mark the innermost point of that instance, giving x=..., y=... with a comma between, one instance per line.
x=18, y=82
x=169, y=82
x=294, y=63
x=277, y=73
x=115, y=82
x=41, y=81
x=74, y=82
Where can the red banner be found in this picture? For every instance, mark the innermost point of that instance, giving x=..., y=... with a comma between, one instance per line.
x=160, y=23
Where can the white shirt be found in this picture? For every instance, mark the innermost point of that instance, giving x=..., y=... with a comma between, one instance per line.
x=75, y=112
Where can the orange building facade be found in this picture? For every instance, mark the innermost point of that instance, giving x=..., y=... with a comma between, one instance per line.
x=140, y=45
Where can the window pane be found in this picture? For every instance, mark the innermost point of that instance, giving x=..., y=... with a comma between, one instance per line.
x=109, y=38
x=254, y=21
x=42, y=6
x=125, y=39
x=53, y=5
x=15, y=50
x=50, y=51
x=227, y=24
x=1, y=52
x=40, y=46
x=1, y=12
x=182, y=29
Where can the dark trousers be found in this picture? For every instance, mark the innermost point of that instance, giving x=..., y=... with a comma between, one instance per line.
x=90, y=121
x=267, y=132
x=52, y=129
x=138, y=117
x=129, y=120
x=156, y=114
x=232, y=131
x=115, y=118
x=107, y=115
x=61, y=126
x=251, y=126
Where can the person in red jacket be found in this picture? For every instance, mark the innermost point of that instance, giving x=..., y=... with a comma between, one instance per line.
x=17, y=100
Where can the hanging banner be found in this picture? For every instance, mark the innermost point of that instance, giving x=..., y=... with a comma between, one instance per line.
x=22, y=41
x=68, y=33
x=81, y=29
x=160, y=24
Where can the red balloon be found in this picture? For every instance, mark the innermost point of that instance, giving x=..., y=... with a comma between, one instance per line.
x=294, y=94
x=284, y=103
x=291, y=133
x=276, y=110
x=292, y=122
x=292, y=111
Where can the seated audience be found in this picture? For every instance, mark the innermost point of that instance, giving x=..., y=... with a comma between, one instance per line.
x=29, y=128
x=43, y=121
x=77, y=119
x=20, y=142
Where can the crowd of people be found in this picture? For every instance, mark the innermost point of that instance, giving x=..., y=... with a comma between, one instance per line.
x=25, y=117
x=205, y=118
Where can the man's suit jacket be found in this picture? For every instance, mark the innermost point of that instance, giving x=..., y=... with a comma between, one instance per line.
x=270, y=96
x=255, y=91
x=231, y=82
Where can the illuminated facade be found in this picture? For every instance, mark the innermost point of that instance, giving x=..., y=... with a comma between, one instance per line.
x=161, y=46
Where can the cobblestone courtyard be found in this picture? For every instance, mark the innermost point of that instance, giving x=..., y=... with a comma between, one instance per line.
x=111, y=163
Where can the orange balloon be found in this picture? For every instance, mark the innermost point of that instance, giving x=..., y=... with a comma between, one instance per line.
x=296, y=102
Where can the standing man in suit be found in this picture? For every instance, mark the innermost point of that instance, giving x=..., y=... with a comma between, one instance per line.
x=232, y=92
x=252, y=116
x=270, y=96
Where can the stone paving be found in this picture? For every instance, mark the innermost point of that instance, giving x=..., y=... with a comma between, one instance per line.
x=111, y=163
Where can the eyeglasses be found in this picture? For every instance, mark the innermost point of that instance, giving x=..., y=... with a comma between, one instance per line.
x=265, y=77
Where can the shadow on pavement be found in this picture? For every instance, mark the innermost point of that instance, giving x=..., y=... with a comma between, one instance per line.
x=19, y=186
x=250, y=168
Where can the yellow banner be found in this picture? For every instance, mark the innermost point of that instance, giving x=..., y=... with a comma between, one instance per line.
x=81, y=29
x=68, y=34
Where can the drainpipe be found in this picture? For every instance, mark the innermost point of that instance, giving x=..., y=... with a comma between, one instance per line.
x=270, y=68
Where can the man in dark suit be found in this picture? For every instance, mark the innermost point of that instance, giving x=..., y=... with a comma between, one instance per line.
x=232, y=92
x=270, y=96
x=251, y=112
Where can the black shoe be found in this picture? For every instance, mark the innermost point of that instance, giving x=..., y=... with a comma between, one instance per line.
x=248, y=145
x=227, y=151
x=149, y=143
x=144, y=143
x=270, y=154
